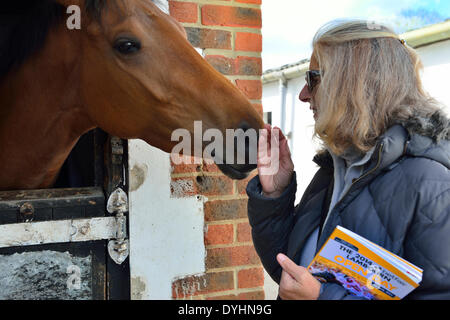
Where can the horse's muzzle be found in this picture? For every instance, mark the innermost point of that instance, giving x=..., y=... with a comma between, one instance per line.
x=239, y=171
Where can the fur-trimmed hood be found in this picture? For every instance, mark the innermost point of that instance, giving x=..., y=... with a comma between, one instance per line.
x=436, y=127
x=429, y=137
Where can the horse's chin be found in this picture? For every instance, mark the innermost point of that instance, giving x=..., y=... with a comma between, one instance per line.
x=236, y=171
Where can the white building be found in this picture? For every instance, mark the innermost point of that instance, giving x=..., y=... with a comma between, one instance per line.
x=282, y=108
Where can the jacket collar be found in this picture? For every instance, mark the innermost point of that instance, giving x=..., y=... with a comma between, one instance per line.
x=391, y=145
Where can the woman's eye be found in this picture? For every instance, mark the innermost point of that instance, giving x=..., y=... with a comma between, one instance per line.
x=127, y=46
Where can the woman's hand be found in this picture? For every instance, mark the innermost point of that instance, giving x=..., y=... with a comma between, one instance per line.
x=296, y=283
x=274, y=177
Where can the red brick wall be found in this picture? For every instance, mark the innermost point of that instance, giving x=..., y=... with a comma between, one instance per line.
x=229, y=32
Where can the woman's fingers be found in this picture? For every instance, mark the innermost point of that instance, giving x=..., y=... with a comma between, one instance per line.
x=280, y=133
x=263, y=149
x=273, y=150
x=284, y=149
x=282, y=143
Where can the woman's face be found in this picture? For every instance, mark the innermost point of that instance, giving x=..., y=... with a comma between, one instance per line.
x=306, y=95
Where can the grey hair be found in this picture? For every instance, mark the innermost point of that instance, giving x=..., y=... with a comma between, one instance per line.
x=370, y=81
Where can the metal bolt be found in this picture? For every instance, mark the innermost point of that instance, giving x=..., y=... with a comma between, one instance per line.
x=27, y=211
x=85, y=229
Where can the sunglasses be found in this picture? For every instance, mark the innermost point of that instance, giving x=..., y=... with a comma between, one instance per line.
x=312, y=79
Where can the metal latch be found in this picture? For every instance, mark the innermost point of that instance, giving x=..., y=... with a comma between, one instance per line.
x=58, y=231
x=117, y=204
x=73, y=230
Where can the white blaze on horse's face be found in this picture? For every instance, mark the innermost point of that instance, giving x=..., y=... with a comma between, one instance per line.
x=155, y=80
x=163, y=5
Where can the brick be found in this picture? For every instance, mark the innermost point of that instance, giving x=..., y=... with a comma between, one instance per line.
x=246, y=41
x=255, y=295
x=210, y=167
x=231, y=257
x=219, y=234
x=248, y=66
x=251, y=88
x=188, y=165
x=208, y=185
x=239, y=66
x=209, y=39
x=251, y=278
x=244, y=232
x=250, y=1
x=205, y=185
x=222, y=64
x=185, y=168
x=225, y=297
x=182, y=187
x=215, y=15
x=206, y=283
x=225, y=210
x=184, y=11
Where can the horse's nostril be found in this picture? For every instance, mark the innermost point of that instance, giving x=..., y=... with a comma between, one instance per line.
x=248, y=129
x=244, y=126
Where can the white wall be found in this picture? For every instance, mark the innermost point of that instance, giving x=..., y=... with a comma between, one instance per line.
x=436, y=60
x=166, y=233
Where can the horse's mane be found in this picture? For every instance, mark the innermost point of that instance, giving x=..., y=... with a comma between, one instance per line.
x=24, y=25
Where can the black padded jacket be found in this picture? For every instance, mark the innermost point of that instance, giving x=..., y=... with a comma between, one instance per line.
x=401, y=202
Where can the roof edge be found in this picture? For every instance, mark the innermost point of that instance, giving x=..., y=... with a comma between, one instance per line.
x=427, y=35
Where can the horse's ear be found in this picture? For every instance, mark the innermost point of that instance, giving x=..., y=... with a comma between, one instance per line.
x=68, y=3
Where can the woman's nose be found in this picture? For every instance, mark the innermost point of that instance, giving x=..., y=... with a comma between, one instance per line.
x=305, y=95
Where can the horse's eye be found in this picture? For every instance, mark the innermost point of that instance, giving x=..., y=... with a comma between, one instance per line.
x=127, y=46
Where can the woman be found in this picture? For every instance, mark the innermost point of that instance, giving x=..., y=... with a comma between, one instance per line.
x=384, y=171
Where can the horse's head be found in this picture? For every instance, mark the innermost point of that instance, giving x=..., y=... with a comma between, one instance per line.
x=141, y=78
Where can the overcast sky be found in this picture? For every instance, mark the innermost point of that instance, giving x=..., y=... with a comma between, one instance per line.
x=289, y=25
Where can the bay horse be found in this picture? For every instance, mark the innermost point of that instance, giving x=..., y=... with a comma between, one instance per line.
x=129, y=70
